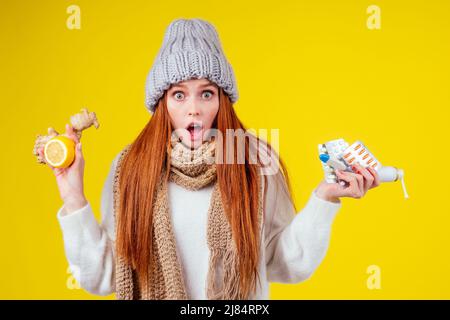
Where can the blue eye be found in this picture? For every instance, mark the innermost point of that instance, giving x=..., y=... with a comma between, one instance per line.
x=178, y=95
x=208, y=96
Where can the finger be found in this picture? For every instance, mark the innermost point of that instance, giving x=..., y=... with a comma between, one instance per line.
x=78, y=153
x=69, y=129
x=375, y=175
x=71, y=133
x=367, y=176
x=58, y=171
x=360, y=180
x=352, y=190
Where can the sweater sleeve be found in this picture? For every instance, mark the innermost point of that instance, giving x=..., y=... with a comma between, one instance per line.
x=88, y=245
x=295, y=244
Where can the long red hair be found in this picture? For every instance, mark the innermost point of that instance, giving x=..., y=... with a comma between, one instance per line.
x=238, y=184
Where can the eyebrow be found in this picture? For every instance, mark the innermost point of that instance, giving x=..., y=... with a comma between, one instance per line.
x=201, y=86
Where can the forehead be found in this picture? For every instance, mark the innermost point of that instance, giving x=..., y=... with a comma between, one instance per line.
x=193, y=83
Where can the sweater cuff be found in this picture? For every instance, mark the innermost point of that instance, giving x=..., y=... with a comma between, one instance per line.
x=325, y=202
x=319, y=211
x=80, y=220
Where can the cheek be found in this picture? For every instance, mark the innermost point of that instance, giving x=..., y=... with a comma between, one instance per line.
x=176, y=116
x=211, y=112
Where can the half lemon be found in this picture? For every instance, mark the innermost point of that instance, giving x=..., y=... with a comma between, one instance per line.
x=59, y=151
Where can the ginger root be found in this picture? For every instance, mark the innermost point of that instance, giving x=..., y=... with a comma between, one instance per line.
x=79, y=122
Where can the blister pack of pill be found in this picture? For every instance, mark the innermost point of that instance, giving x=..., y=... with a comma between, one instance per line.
x=339, y=155
x=358, y=153
x=331, y=158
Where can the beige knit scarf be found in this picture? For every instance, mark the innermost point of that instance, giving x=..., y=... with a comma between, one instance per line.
x=191, y=169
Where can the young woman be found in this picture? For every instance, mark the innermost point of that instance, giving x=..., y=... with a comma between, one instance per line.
x=182, y=218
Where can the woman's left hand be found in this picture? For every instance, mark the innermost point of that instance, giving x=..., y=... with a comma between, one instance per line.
x=359, y=182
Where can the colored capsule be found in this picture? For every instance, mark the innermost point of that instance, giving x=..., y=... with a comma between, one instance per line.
x=324, y=157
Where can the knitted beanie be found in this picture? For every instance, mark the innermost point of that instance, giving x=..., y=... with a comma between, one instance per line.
x=191, y=49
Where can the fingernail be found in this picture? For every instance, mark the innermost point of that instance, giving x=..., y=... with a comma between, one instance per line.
x=79, y=145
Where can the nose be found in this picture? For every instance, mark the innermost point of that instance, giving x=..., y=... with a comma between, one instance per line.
x=193, y=109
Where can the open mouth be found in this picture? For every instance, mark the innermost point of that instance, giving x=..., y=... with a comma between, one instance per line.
x=195, y=130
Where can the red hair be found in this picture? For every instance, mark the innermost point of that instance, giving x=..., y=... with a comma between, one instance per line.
x=238, y=183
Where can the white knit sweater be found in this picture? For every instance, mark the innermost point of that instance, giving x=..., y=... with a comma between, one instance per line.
x=293, y=245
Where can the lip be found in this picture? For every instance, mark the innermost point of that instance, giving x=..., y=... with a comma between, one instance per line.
x=195, y=134
x=194, y=122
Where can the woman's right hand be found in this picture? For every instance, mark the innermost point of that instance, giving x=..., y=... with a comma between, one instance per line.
x=70, y=179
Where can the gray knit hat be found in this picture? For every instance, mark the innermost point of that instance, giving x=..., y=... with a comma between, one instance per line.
x=191, y=49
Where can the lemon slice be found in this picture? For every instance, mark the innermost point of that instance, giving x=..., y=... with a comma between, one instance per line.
x=59, y=151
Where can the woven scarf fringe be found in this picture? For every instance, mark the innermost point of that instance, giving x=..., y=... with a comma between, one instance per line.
x=124, y=274
x=229, y=289
x=127, y=286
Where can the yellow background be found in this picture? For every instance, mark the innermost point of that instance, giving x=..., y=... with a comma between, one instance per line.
x=310, y=68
